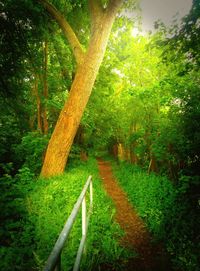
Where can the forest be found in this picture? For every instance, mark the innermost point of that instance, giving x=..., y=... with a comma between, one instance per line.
x=81, y=94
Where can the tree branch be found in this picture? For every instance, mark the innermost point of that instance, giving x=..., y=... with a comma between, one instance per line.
x=113, y=6
x=96, y=9
x=67, y=30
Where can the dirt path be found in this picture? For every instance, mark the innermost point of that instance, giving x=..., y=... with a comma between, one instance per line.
x=137, y=237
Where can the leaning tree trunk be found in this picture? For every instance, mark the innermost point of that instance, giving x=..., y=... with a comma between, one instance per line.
x=70, y=116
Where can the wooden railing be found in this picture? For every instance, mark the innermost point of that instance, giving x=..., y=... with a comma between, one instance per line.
x=54, y=260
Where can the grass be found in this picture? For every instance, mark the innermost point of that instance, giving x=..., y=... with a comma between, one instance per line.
x=46, y=206
x=166, y=210
x=152, y=195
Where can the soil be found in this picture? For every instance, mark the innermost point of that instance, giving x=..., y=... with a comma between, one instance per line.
x=151, y=256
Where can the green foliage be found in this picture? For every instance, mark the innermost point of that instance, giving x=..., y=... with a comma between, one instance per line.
x=31, y=151
x=147, y=101
x=16, y=20
x=45, y=206
x=186, y=38
x=146, y=97
x=171, y=213
x=152, y=196
x=13, y=211
x=12, y=126
x=189, y=114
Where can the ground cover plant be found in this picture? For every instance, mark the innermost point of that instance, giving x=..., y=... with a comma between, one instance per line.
x=45, y=211
x=167, y=211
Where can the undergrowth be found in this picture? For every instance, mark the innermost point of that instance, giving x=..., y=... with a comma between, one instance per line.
x=45, y=205
x=167, y=211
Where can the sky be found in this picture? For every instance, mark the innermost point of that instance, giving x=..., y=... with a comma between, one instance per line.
x=152, y=10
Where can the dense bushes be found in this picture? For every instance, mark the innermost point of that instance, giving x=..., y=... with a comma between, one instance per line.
x=15, y=243
x=31, y=150
x=168, y=210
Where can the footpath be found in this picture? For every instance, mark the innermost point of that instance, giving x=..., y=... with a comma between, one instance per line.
x=150, y=256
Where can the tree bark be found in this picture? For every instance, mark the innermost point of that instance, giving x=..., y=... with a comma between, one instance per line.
x=134, y=158
x=70, y=116
x=38, y=102
x=67, y=30
x=45, y=90
x=133, y=145
x=152, y=165
x=121, y=152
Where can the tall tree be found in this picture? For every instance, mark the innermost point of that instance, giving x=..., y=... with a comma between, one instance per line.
x=88, y=64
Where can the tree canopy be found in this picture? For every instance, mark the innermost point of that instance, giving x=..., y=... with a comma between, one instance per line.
x=76, y=83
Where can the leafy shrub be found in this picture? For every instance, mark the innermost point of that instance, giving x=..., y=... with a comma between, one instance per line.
x=13, y=212
x=31, y=150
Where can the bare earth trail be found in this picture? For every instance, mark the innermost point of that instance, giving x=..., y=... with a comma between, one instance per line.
x=150, y=257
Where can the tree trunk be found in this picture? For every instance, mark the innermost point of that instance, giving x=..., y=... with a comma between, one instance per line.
x=134, y=158
x=33, y=116
x=152, y=165
x=45, y=90
x=70, y=116
x=127, y=154
x=38, y=101
x=120, y=152
x=133, y=145
x=114, y=151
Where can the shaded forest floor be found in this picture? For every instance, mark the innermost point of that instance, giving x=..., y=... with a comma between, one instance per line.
x=150, y=256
